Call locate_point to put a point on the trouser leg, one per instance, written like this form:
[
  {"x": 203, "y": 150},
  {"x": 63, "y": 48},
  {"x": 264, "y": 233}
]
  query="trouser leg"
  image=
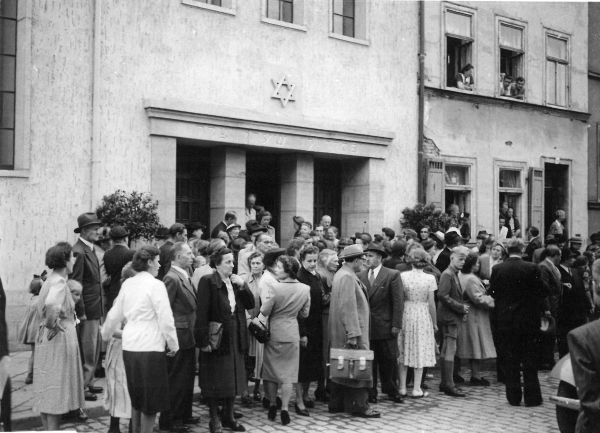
[{"x": 90, "y": 348}]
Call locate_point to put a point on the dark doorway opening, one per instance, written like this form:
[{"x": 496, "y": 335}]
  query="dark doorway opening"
[
  {"x": 328, "y": 190},
  {"x": 192, "y": 196},
  {"x": 556, "y": 192},
  {"x": 263, "y": 178}
]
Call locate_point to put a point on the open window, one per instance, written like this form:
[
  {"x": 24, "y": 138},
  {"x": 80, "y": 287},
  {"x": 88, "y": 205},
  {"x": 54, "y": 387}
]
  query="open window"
[
  {"x": 459, "y": 45},
  {"x": 512, "y": 60}
]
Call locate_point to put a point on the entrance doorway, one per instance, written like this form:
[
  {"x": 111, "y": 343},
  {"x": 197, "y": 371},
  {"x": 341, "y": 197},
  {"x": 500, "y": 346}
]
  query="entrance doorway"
[
  {"x": 328, "y": 190},
  {"x": 192, "y": 193},
  {"x": 556, "y": 192},
  {"x": 263, "y": 178}
]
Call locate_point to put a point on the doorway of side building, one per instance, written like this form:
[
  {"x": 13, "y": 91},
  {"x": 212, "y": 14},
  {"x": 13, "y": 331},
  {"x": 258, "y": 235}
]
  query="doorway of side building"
[
  {"x": 263, "y": 178},
  {"x": 556, "y": 192},
  {"x": 328, "y": 191},
  {"x": 192, "y": 193}
]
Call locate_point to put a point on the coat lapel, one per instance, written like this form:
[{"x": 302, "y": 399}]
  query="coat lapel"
[
  {"x": 187, "y": 288},
  {"x": 377, "y": 283}
]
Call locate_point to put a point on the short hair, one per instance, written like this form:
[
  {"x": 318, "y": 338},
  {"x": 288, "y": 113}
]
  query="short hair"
[
  {"x": 466, "y": 68},
  {"x": 551, "y": 251},
  {"x": 139, "y": 263},
  {"x": 310, "y": 249},
  {"x": 259, "y": 237},
  {"x": 377, "y": 238},
  {"x": 559, "y": 211},
  {"x": 514, "y": 246},
  {"x": 176, "y": 249},
  {"x": 508, "y": 77},
  {"x": 229, "y": 215},
  {"x": 216, "y": 258},
  {"x": 294, "y": 246},
  {"x": 470, "y": 263},
  {"x": 534, "y": 230},
  {"x": 399, "y": 248},
  {"x": 263, "y": 214},
  {"x": 254, "y": 255},
  {"x": 176, "y": 229},
  {"x": 460, "y": 250},
  {"x": 59, "y": 255},
  {"x": 290, "y": 265},
  {"x": 365, "y": 238},
  {"x": 200, "y": 247},
  {"x": 389, "y": 232},
  {"x": 520, "y": 79},
  {"x": 567, "y": 254}
]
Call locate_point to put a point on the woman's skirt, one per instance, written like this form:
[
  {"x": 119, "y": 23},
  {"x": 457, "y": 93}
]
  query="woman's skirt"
[
  {"x": 116, "y": 394},
  {"x": 147, "y": 380},
  {"x": 281, "y": 362}
]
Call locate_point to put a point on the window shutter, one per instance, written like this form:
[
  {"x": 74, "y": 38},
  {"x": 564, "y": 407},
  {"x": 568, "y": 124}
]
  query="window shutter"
[
  {"x": 536, "y": 198},
  {"x": 435, "y": 182}
]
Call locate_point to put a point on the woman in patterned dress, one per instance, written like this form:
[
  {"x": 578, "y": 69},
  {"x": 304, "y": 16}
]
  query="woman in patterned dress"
[
  {"x": 57, "y": 369},
  {"x": 416, "y": 341}
]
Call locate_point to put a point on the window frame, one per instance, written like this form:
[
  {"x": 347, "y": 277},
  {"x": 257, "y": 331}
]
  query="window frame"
[
  {"x": 566, "y": 37},
  {"x": 298, "y": 14},
  {"x": 12, "y": 92},
  {"x": 228, "y": 7},
  {"x": 462, "y": 10},
  {"x": 471, "y": 165},
  {"x": 361, "y": 23},
  {"x": 520, "y": 214},
  {"x": 511, "y": 22}
]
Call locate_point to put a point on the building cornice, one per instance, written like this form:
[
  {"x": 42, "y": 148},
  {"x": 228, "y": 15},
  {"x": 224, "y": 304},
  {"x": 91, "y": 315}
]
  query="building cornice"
[{"x": 506, "y": 103}]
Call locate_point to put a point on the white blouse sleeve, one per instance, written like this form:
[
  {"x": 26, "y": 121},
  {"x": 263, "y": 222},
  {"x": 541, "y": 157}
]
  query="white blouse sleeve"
[{"x": 166, "y": 323}]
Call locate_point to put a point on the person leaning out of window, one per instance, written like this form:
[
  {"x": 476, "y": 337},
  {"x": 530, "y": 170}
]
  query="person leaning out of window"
[{"x": 465, "y": 79}]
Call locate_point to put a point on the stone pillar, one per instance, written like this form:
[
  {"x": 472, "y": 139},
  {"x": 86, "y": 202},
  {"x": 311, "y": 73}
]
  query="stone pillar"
[
  {"x": 297, "y": 192},
  {"x": 163, "y": 175},
  {"x": 362, "y": 195},
  {"x": 227, "y": 183}
]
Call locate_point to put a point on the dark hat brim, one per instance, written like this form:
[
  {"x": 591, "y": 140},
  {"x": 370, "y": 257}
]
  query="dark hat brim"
[
  {"x": 90, "y": 223},
  {"x": 381, "y": 252}
]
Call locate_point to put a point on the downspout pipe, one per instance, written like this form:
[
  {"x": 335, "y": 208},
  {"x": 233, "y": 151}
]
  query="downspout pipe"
[{"x": 421, "y": 173}]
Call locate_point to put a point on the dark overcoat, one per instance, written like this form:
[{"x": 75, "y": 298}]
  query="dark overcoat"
[
  {"x": 311, "y": 356},
  {"x": 86, "y": 270}
]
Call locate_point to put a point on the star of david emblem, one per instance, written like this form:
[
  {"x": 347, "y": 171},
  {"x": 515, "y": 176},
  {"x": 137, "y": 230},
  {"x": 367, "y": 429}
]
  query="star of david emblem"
[{"x": 286, "y": 95}]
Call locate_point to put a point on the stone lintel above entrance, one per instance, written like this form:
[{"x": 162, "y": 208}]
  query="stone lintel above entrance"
[{"x": 248, "y": 128}]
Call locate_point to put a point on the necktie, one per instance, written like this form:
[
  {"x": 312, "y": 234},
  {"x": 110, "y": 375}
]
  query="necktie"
[{"x": 371, "y": 277}]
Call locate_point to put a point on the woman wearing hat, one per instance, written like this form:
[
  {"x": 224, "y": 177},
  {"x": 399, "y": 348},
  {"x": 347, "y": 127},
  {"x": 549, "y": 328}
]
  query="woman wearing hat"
[{"x": 233, "y": 231}]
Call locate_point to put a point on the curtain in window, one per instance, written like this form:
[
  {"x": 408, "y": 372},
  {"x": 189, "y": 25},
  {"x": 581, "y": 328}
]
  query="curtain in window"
[{"x": 458, "y": 24}]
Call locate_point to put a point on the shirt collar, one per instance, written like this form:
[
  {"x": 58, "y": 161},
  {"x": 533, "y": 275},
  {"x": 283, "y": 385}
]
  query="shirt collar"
[
  {"x": 180, "y": 270},
  {"x": 376, "y": 270},
  {"x": 88, "y": 243}
]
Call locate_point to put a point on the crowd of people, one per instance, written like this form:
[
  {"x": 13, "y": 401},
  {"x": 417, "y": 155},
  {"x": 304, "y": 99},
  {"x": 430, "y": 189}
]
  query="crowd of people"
[{"x": 187, "y": 306}]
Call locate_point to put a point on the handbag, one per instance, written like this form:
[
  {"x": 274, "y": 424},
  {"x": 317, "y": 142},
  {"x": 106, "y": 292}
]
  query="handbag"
[
  {"x": 215, "y": 334},
  {"x": 353, "y": 364},
  {"x": 262, "y": 334}
]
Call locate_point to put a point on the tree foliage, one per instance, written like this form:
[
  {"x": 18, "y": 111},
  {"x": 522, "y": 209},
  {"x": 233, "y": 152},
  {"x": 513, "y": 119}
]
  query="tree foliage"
[
  {"x": 425, "y": 215},
  {"x": 136, "y": 211}
]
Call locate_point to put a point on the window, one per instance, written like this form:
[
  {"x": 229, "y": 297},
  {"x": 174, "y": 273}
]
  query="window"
[
  {"x": 510, "y": 190},
  {"x": 8, "y": 57},
  {"x": 211, "y": 2},
  {"x": 344, "y": 17},
  {"x": 220, "y": 6},
  {"x": 459, "y": 47},
  {"x": 557, "y": 69},
  {"x": 282, "y": 10},
  {"x": 457, "y": 188},
  {"x": 512, "y": 60}
]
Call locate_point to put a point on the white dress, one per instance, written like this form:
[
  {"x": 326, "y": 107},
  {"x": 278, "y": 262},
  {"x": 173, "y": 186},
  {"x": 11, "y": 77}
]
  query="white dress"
[{"x": 416, "y": 341}]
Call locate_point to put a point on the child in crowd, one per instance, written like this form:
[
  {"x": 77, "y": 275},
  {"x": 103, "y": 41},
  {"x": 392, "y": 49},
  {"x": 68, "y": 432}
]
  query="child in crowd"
[{"x": 28, "y": 328}]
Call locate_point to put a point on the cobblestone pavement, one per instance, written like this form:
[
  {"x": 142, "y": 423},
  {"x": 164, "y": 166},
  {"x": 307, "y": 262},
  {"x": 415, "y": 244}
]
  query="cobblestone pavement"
[{"x": 483, "y": 410}]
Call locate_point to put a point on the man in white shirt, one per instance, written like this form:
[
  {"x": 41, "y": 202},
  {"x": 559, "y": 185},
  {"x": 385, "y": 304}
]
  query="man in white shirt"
[{"x": 502, "y": 230}]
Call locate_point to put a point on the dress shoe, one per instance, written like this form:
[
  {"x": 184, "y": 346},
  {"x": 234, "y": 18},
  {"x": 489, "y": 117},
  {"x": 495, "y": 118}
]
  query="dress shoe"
[
  {"x": 90, "y": 397},
  {"x": 272, "y": 413},
  {"x": 77, "y": 415},
  {"x": 372, "y": 399},
  {"x": 285, "y": 417},
  {"x": 397, "y": 398},
  {"x": 369, "y": 413},
  {"x": 453, "y": 392},
  {"x": 96, "y": 389},
  {"x": 458, "y": 378},
  {"x": 301, "y": 412},
  {"x": 309, "y": 403},
  {"x": 193, "y": 420},
  {"x": 478, "y": 382},
  {"x": 233, "y": 425}
]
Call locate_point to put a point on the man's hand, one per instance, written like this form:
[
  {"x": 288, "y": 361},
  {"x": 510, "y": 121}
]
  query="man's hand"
[
  {"x": 171, "y": 353},
  {"x": 395, "y": 331},
  {"x": 237, "y": 280},
  {"x": 352, "y": 343}
]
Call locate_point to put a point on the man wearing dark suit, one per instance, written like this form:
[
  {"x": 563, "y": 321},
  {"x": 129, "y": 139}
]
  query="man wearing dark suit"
[
  {"x": 90, "y": 310},
  {"x": 451, "y": 239},
  {"x": 230, "y": 218},
  {"x": 177, "y": 233},
  {"x": 5, "y": 404},
  {"x": 181, "y": 367},
  {"x": 450, "y": 313},
  {"x": 534, "y": 243},
  {"x": 519, "y": 294},
  {"x": 114, "y": 261},
  {"x": 550, "y": 276},
  {"x": 384, "y": 290}
]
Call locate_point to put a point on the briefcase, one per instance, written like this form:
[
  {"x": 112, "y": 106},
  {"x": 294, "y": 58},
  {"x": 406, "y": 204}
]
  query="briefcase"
[{"x": 353, "y": 364}]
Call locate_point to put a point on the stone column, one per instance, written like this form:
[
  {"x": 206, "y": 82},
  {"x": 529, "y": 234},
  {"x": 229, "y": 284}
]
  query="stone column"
[
  {"x": 297, "y": 192},
  {"x": 163, "y": 175},
  {"x": 362, "y": 195},
  {"x": 227, "y": 183}
]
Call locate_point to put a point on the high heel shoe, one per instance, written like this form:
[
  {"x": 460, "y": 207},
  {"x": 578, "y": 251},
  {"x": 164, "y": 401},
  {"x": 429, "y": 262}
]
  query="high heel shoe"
[
  {"x": 272, "y": 413},
  {"x": 285, "y": 417},
  {"x": 301, "y": 412}
]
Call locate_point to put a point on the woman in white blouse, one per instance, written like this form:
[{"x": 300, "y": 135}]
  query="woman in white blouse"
[{"x": 144, "y": 304}]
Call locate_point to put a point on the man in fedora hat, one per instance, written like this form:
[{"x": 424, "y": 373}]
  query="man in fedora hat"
[
  {"x": 349, "y": 318},
  {"x": 90, "y": 310},
  {"x": 114, "y": 261},
  {"x": 384, "y": 292}
]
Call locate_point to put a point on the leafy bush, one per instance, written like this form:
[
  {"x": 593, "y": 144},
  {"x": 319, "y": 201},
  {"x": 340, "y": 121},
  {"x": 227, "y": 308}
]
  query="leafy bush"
[
  {"x": 136, "y": 211},
  {"x": 425, "y": 215}
]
